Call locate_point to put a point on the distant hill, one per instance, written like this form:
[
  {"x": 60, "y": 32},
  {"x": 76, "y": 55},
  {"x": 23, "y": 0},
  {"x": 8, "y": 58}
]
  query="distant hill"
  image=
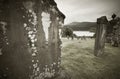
[{"x": 82, "y": 26}]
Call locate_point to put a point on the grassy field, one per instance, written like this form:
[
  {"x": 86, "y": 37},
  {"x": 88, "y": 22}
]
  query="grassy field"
[{"x": 80, "y": 63}]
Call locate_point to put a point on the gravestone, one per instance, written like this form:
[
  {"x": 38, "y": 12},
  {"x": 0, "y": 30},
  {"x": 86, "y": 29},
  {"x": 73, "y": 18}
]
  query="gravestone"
[
  {"x": 100, "y": 36},
  {"x": 29, "y": 39}
]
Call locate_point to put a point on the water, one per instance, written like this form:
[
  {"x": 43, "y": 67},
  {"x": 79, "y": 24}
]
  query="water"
[{"x": 83, "y": 33}]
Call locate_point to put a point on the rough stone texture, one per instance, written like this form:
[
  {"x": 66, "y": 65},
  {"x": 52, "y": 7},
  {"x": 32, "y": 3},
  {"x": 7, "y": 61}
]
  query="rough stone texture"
[
  {"x": 115, "y": 34},
  {"x": 25, "y": 52},
  {"x": 100, "y": 36}
]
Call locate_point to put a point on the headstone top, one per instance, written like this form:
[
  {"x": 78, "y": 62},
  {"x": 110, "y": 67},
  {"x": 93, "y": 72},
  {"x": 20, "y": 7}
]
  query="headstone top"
[{"x": 102, "y": 20}]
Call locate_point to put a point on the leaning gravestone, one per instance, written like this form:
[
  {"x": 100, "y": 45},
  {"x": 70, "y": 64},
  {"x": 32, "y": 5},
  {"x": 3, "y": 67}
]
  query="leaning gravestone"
[
  {"x": 29, "y": 39},
  {"x": 100, "y": 35}
]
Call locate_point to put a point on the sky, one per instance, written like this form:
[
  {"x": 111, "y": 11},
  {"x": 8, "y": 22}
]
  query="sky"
[{"x": 87, "y": 10}]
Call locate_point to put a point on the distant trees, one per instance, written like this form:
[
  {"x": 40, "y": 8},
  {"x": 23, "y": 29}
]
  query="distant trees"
[{"x": 67, "y": 32}]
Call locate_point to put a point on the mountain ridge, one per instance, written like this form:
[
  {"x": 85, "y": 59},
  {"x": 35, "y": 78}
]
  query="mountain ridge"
[{"x": 82, "y": 26}]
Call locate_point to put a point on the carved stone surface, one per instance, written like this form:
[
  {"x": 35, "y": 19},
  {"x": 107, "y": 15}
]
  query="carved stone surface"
[
  {"x": 29, "y": 46},
  {"x": 100, "y": 36}
]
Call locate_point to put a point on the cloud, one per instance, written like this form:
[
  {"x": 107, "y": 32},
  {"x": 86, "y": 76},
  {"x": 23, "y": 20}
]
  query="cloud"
[{"x": 87, "y": 10}]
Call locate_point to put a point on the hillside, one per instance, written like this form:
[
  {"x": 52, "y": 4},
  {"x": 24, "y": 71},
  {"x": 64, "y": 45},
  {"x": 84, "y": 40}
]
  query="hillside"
[{"x": 82, "y": 26}]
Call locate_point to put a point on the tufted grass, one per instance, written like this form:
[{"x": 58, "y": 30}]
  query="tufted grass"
[{"x": 80, "y": 63}]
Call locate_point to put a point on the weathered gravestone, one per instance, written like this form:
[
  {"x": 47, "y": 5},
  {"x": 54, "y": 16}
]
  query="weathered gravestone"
[
  {"x": 100, "y": 36},
  {"x": 29, "y": 39}
]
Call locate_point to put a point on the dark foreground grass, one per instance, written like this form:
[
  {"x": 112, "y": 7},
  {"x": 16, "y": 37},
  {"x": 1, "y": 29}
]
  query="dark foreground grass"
[{"x": 80, "y": 63}]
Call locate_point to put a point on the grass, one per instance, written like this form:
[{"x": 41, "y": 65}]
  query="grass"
[{"x": 80, "y": 63}]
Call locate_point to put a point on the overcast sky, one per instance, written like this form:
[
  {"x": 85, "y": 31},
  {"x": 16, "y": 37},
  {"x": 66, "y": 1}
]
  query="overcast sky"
[{"x": 87, "y": 10}]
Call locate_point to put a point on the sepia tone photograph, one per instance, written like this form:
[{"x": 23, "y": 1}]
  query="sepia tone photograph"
[{"x": 59, "y": 39}]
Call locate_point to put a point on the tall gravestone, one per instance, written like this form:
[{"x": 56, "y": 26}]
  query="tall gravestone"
[
  {"x": 29, "y": 39},
  {"x": 100, "y": 36}
]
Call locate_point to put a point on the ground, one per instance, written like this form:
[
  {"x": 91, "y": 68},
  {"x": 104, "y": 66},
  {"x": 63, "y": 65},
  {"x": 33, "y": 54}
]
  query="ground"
[{"x": 80, "y": 63}]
